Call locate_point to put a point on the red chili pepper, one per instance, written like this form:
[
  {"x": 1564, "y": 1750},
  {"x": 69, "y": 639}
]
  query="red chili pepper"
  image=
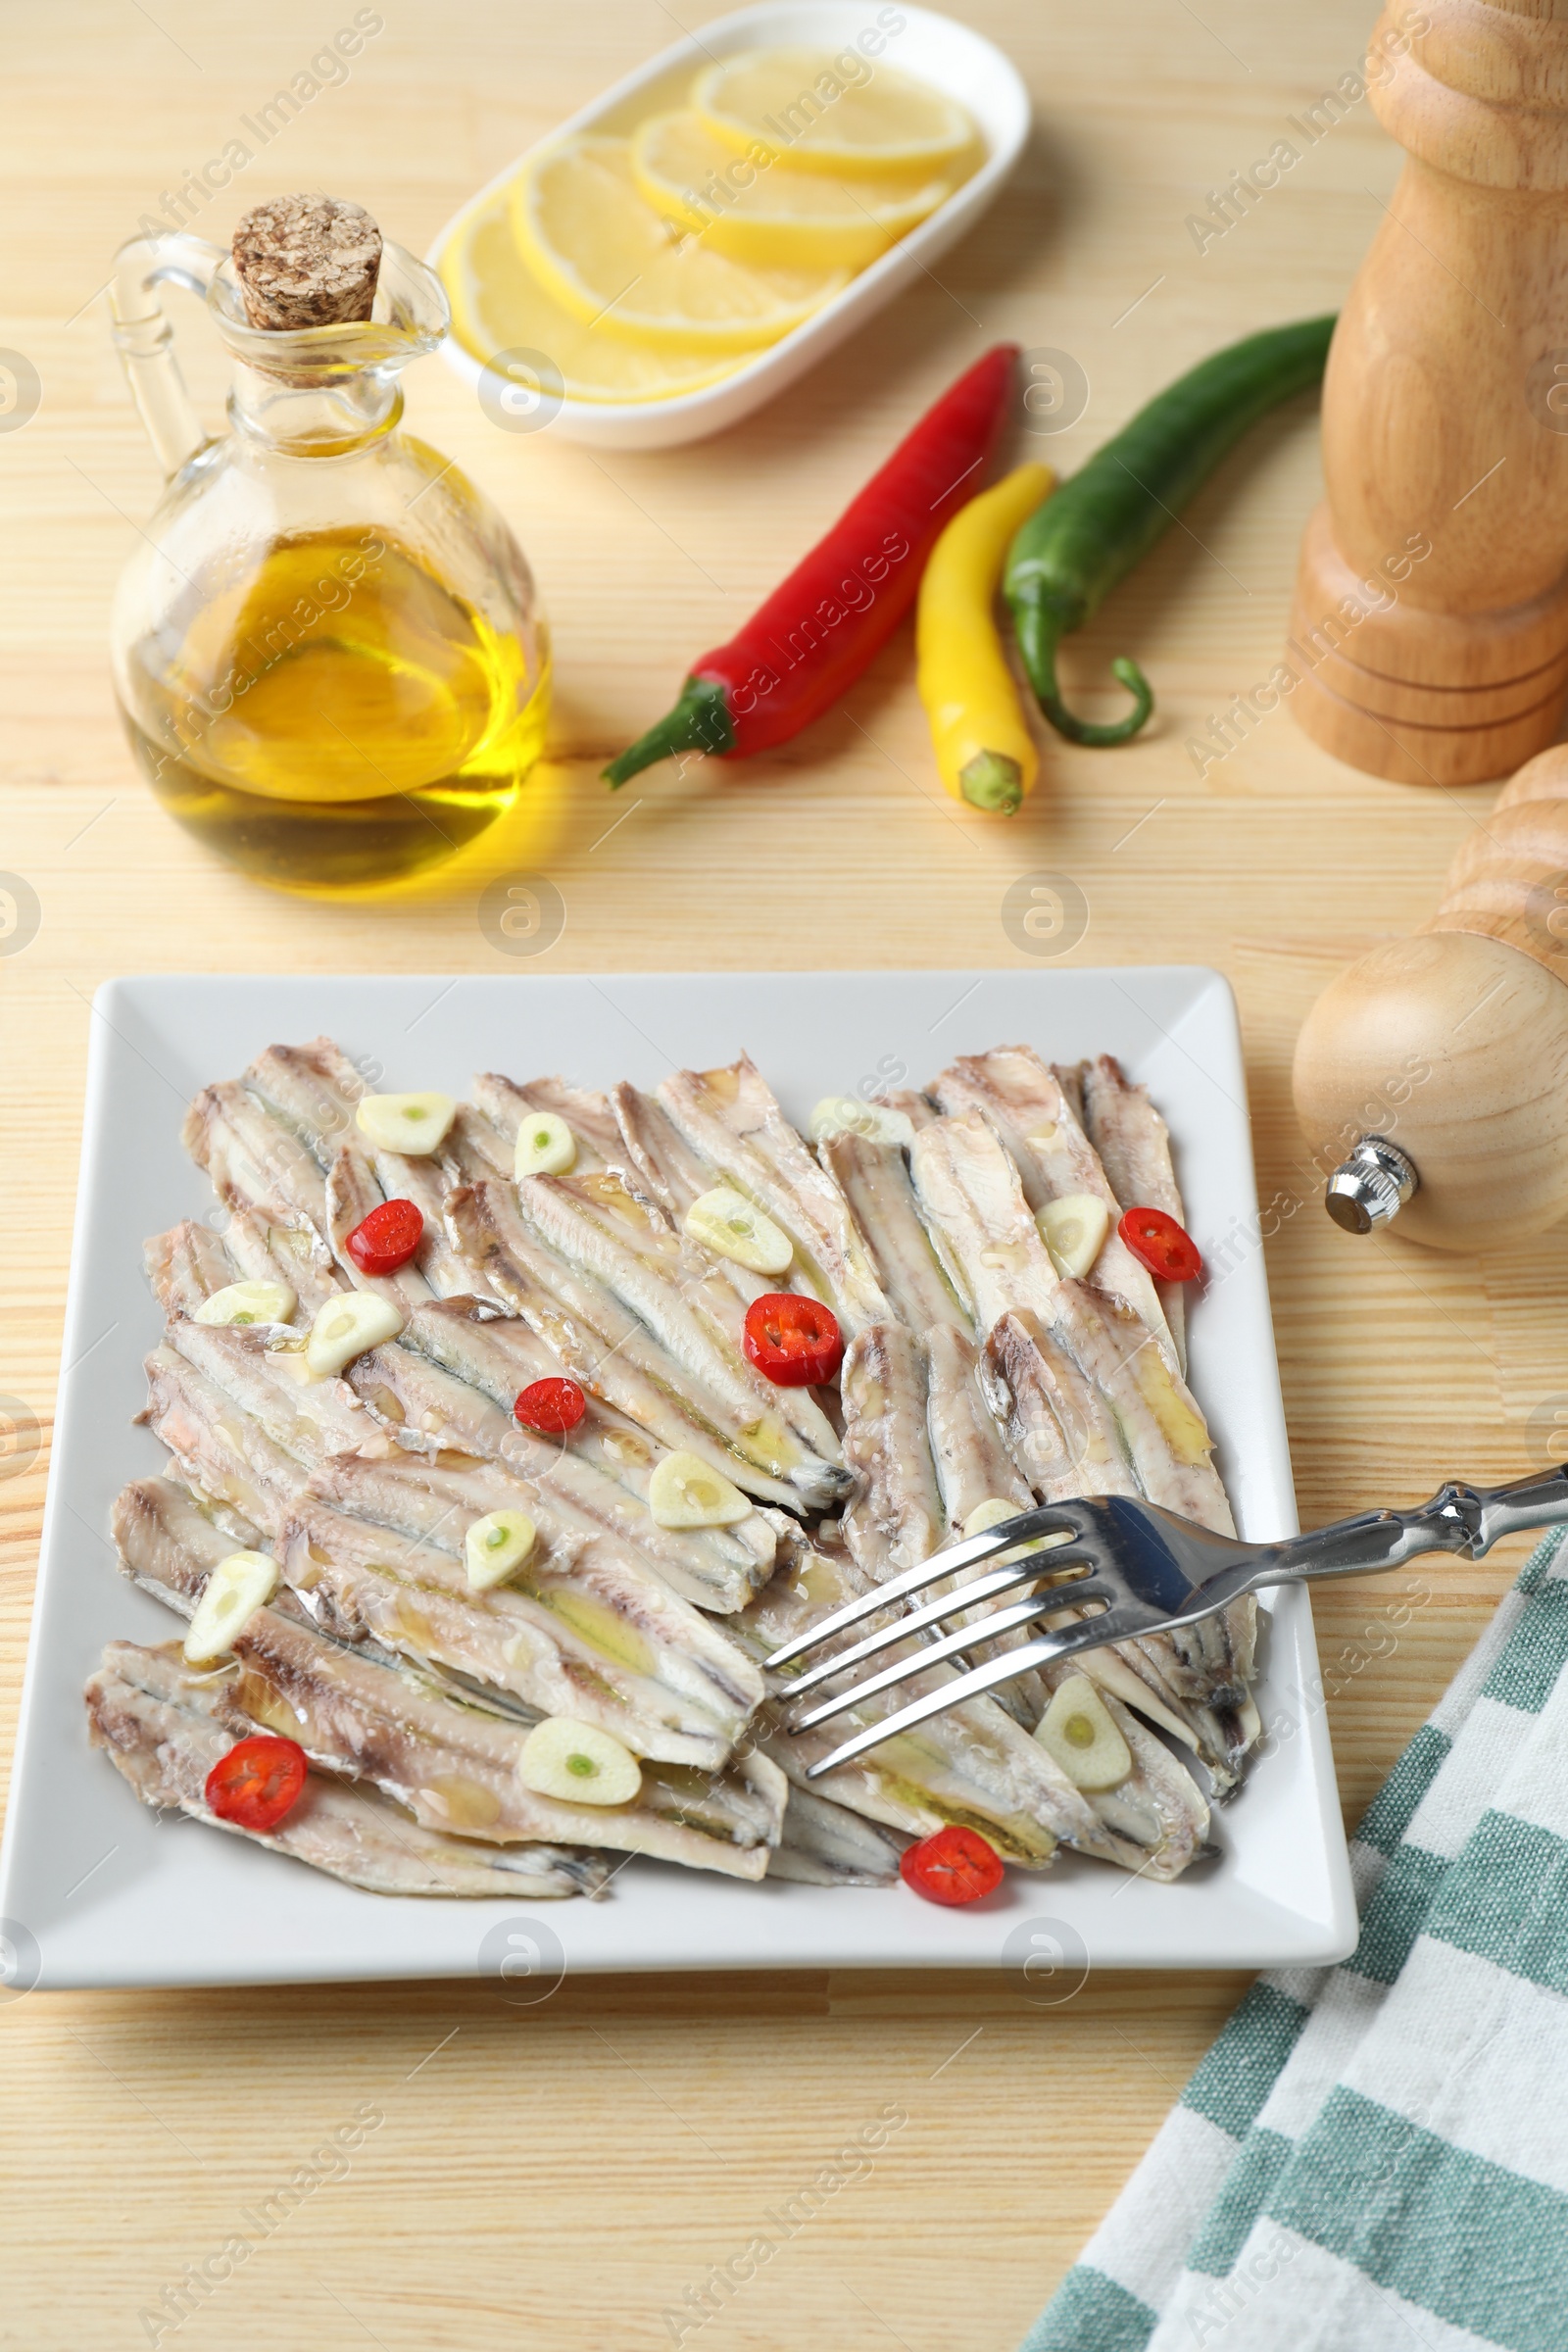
[
  {"x": 551, "y": 1406},
  {"x": 830, "y": 620},
  {"x": 386, "y": 1239},
  {"x": 257, "y": 1782},
  {"x": 954, "y": 1865},
  {"x": 1158, "y": 1243},
  {"x": 793, "y": 1342}
]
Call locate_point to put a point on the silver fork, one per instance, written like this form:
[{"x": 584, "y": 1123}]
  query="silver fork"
[{"x": 1142, "y": 1569}]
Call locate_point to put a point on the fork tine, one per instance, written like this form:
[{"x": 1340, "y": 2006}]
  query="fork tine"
[
  {"x": 932, "y": 1654},
  {"x": 1040, "y": 1651},
  {"x": 947, "y": 1605},
  {"x": 1045, "y": 1519}
]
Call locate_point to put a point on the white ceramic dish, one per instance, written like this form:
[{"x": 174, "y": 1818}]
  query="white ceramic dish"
[
  {"x": 931, "y": 47},
  {"x": 99, "y": 1891}
]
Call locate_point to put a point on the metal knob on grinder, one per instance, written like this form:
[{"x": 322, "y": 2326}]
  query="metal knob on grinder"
[
  {"x": 1447, "y": 1052},
  {"x": 1369, "y": 1187}
]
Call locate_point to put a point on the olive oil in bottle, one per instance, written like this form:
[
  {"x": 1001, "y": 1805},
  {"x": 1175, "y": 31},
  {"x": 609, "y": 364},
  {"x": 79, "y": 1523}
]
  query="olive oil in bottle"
[
  {"x": 339, "y": 719},
  {"x": 326, "y": 643}
]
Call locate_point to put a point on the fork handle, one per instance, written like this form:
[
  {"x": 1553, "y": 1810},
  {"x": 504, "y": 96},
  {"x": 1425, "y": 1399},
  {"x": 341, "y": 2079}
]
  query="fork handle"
[{"x": 1458, "y": 1518}]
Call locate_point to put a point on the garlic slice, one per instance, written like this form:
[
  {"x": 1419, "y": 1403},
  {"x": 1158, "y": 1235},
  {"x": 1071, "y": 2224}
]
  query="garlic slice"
[
  {"x": 345, "y": 1327},
  {"x": 248, "y": 1302},
  {"x": 847, "y": 1114},
  {"x": 1073, "y": 1230},
  {"x": 1078, "y": 1731},
  {"x": 992, "y": 1512},
  {"x": 684, "y": 1491},
  {"x": 546, "y": 1146},
  {"x": 496, "y": 1545},
  {"x": 579, "y": 1762},
  {"x": 413, "y": 1124},
  {"x": 233, "y": 1593},
  {"x": 731, "y": 1226}
]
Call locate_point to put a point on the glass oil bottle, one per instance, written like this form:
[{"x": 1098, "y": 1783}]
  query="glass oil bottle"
[{"x": 327, "y": 647}]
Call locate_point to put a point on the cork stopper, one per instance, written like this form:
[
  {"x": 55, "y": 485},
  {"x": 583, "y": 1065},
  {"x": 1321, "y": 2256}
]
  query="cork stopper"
[{"x": 307, "y": 261}]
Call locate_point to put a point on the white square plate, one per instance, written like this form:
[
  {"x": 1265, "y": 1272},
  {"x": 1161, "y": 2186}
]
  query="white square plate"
[{"x": 97, "y": 1890}]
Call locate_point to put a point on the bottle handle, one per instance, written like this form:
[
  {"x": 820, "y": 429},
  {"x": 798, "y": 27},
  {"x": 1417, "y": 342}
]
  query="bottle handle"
[{"x": 144, "y": 338}]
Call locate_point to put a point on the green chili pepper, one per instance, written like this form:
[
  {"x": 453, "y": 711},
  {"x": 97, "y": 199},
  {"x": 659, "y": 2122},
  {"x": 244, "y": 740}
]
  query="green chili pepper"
[{"x": 1074, "y": 549}]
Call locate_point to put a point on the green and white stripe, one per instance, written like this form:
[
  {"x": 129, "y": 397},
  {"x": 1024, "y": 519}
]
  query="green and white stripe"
[{"x": 1375, "y": 2156}]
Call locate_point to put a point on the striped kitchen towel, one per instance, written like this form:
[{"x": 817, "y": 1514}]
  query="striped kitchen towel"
[{"x": 1374, "y": 2157}]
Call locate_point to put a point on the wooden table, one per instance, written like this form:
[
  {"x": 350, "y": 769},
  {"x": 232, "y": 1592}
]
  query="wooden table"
[{"x": 557, "y": 2181}]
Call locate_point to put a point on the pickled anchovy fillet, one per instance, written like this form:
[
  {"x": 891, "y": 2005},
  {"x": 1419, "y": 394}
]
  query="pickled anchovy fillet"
[
  {"x": 589, "y": 1115},
  {"x": 253, "y": 1159},
  {"x": 314, "y": 1420},
  {"x": 1159, "y": 1806},
  {"x": 1023, "y": 1102},
  {"x": 972, "y": 1196},
  {"x": 917, "y": 1109},
  {"x": 293, "y": 1253},
  {"x": 971, "y": 1764},
  {"x": 313, "y": 1088},
  {"x": 612, "y": 1354},
  {"x": 972, "y": 1466},
  {"x": 1067, "y": 1439},
  {"x": 722, "y": 1569},
  {"x": 153, "y": 1716},
  {"x": 1134, "y": 1146},
  {"x": 185, "y": 1265},
  {"x": 719, "y": 1568},
  {"x": 1061, "y": 1429},
  {"x": 896, "y": 1519},
  {"x": 1069, "y": 1077},
  {"x": 1162, "y": 1426},
  {"x": 974, "y": 1207},
  {"x": 474, "y": 1148},
  {"x": 825, "y": 1844},
  {"x": 501, "y": 1356},
  {"x": 659, "y": 1156},
  {"x": 454, "y": 1766},
  {"x": 731, "y": 1121},
  {"x": 607, "y": 1232},
  {"x": 315, "y": 1091},
  {"x": 905, "y": 1405},
  {"x": 658, "y": 1159},
  {"x": 356, "y": 1583},
  {"x": 875, "y": 1179},
  {"x": 217, "y": 1447},
  {"x": 351, "y": 1190},
  {"x": 603, "y": 1612},
  {"x": 1061, "y": 1433}
]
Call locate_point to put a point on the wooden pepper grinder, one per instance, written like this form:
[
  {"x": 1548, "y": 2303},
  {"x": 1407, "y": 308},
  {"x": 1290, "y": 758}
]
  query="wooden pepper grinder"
[
  {"x": 1430, "y": 628},
  {"x": 1439, "y": 1064}
]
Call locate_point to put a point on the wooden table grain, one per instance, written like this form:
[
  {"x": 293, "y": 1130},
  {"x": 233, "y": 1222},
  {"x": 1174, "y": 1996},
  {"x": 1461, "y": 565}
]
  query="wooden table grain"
[{"x": 566, "y": 2179}]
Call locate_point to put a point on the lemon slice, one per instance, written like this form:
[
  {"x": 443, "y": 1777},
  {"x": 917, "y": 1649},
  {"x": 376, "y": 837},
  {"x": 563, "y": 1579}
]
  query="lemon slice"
[
  {"x": 498, "y": 305},
  {"x": 615, "y": 264},
  {"x": 793, "y": 102},
  {"x": 762, "y": 211}
]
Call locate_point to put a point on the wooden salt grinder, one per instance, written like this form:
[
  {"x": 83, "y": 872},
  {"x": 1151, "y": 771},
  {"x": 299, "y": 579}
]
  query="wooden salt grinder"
[
  {"x": 1446, "y": 416},
  {"x": 1440, "y": 1063}
]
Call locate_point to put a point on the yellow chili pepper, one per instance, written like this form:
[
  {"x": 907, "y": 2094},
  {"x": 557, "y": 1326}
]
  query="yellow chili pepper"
[{"x": 985, "y": 751}]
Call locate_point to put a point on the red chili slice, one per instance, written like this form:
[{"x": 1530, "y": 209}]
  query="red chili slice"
[
  {"x": 551, "y": 1406},
  {"x": 1158, "y": 1243},
  {"x": 954, "y": 1865},
  {"x": 793, "y": 1342},
  {"x": 257, "y": 1782},
  {"x": 387, "y": 1238}
]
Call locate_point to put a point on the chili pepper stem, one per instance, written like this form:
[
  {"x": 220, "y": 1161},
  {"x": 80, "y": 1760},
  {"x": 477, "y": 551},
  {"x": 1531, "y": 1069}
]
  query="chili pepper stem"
[
  {"x": 1040, "y": 630},
  {"x": 992, "y": 781},
  {"x": 699, "y": 723}
]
